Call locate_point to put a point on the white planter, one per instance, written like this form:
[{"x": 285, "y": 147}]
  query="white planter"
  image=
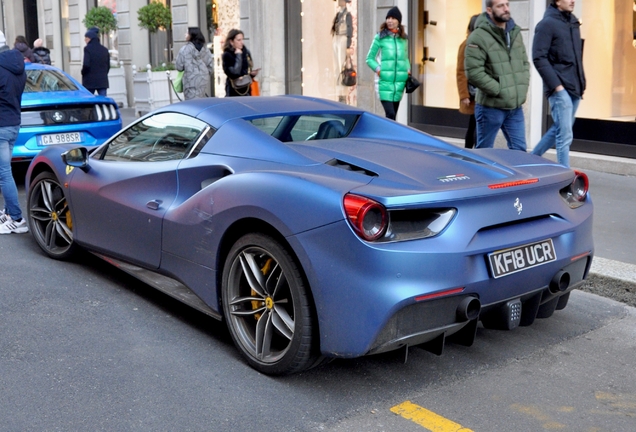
[
  {"x": 117, "y": 86},
  {"x": 152, "y": 90}
]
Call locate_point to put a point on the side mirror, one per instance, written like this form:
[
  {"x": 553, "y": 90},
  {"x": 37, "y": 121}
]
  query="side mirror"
[{"x": 77, "y": 157}]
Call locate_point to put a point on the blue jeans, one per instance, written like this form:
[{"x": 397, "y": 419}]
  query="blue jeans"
[
  {"x": 100, "y": 91},
  {"x": 563, "y": 108},
  {"x": 511, "y": 122},
  {"x": 8, "y": 135}
]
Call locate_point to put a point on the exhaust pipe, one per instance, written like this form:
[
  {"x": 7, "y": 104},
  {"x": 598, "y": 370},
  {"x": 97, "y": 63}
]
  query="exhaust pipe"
[
  {"x": 560, "y": 282},
  {"x": 468, "y": 309}
]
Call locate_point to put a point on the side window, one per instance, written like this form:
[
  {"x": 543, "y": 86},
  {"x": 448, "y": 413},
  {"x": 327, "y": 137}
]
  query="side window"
[
  {"x": 161, "y": 137},
  {"x": 267, "y": 124},
  {"x": 321, "y": 127},
  {"x": 306, "y": 127}
]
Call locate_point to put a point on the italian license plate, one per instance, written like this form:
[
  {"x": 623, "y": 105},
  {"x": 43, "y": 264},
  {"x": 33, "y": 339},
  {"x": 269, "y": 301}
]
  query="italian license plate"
[
  {"x": 61, "y": 138},
  {"x": 513, "y": 260}
]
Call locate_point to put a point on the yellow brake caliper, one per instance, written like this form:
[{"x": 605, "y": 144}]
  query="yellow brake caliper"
[{"x": 257, "y": 304}]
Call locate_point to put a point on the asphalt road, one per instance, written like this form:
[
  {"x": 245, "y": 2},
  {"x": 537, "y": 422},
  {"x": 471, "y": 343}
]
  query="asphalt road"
[{"x": 86, "y": 347}]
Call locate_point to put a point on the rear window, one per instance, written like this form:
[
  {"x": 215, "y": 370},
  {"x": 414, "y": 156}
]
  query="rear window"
[
  {"x": 306, "y": 127},
  {"x": 46, "y": 80}
]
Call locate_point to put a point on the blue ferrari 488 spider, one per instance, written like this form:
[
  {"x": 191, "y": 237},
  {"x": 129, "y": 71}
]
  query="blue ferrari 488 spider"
[
  {"x": 319, "y": 230},
  {"x": 56, "y": 109}
]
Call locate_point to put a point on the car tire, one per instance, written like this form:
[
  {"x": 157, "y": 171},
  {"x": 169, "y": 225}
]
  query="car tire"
[
  {"x": 49, "y": 217},
  {"x": 267, "y": 308}
]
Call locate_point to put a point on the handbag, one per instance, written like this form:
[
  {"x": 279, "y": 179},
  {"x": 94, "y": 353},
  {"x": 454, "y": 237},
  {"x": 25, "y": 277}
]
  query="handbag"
[
  {"x": 412, "y": 84},
  {"x": 256, "y": 91},
  {"x": 348, "y": 75},
  {"x": 177, "y": 82},
  {"x": 242, "y": 84}
]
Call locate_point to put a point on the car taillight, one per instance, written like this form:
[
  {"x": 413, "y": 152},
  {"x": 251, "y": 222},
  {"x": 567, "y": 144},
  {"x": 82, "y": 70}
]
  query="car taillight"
[
  {"x": 105, "y": 112},
  {"x": 367, "y": 217},
  {"x": 576, "y": 192}
]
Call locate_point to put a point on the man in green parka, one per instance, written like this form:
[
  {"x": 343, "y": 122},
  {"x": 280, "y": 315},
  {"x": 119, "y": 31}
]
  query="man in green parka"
[{"x": 497, "y": 64}]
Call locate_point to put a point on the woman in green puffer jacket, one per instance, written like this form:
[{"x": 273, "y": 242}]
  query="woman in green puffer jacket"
[{"x": 392, "y": 65}]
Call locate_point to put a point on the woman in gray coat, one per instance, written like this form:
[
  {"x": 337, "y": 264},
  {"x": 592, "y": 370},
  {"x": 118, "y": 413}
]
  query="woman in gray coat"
[{"x": 195, "y": 60}]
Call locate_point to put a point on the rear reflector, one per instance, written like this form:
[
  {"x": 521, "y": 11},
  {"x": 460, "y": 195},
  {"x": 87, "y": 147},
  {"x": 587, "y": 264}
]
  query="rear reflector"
[{"x": 439, "y": 294}]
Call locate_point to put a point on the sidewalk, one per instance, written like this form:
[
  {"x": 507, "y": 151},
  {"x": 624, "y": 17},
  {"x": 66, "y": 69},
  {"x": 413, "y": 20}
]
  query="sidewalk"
[{"x": 583, "y": 161}]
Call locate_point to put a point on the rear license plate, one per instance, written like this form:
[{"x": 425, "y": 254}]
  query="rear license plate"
[
  {"x": 61, "y": 138},
  {"x": 513, "y": 260}
]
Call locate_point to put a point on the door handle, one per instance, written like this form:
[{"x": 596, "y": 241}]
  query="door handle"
[{"x": 154, "y": 204}]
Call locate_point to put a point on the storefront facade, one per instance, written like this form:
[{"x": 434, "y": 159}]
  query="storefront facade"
[
  {"x": 293, "y": 44},
  {"x": 606, "y": 119}
]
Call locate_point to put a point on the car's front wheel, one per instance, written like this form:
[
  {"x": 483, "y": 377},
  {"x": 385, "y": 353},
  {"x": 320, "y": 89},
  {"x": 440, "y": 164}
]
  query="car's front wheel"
[
  {"x": 50, "y": 216},
  {"x": 267, "y": 307}
]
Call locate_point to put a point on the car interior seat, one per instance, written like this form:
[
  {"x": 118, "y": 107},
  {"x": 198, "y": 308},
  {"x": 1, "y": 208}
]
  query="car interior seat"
[{"x": 330, "y": 129}]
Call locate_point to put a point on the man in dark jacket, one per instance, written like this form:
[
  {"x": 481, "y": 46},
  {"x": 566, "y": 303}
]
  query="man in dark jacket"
[
  {"x": 496, "y": 63},
  {"x": 96, "y": 63},
  {"x": 557, "y": 53},
  {"x": 12, "y": 81}
]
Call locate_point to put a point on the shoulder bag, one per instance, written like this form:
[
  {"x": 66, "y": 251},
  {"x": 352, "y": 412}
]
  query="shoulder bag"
[
  {"x": 348, "y": 76},
  {"x": 412, "y": 84},
  {"x": 177, "y": 82},
  {"x": 242, "y": 84}
]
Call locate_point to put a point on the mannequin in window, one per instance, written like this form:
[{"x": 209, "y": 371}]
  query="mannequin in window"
[{"x": 341, "y": 32}]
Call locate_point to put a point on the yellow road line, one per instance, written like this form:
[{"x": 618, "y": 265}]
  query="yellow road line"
[{"x": 428, "y": 419}]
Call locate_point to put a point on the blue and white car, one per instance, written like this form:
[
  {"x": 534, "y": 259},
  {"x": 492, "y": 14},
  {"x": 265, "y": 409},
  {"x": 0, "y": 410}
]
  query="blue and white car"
[{"x": 56, "y": 109}]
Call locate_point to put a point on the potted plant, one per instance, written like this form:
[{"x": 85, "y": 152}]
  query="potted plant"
[
  {"x": 102, "y": 18},
  {"x": 154, "y": 17},
  {"x": 152, "y": 87}
]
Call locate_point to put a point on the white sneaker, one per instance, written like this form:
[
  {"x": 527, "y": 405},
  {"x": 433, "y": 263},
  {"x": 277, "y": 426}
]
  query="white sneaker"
[
  {"x": 10, "y": 226},
  {"x": 3, "y": 216}
]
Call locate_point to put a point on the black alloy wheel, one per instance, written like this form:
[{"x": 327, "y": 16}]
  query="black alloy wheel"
[
  {"x": 267, "y": 308},
  {"x": 49, "y": 217}
]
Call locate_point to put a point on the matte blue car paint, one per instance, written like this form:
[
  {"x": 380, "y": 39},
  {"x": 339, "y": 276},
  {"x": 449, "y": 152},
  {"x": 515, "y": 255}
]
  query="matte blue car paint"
[{"x": 357, "y": 286}]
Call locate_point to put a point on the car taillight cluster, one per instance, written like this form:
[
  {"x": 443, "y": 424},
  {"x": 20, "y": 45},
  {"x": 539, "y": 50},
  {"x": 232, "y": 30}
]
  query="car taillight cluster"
[
  {"x": 106, "y": 112},
  {"x": 575, "y": 193},
  {"x": 367, "y": 217},
  {"x": 372, "y": 222}
]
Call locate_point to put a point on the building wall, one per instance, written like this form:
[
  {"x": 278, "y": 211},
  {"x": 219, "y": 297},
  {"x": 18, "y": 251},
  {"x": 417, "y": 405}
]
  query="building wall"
[{"x": 13, "y": 17}]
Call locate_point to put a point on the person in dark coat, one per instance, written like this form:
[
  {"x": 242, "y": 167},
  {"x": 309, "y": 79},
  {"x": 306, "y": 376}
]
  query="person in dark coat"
[
  {"x": 41, "y": 54},
  {"x": 22, "y": 45},
  {"x": 557, "y": 53},
  {"x": 96, "y": 63},
  {"x": 12, "y": 82},
  {"x": 237, "y": 62}
]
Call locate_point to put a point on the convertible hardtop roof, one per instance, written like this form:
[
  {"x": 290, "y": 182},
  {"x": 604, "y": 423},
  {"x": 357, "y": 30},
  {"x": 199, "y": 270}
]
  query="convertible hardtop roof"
[{"x": 216, "y": 111}]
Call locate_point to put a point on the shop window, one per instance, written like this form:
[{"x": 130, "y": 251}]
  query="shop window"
[
  {"x": 329, "y": 35},
  {"x": 439, "y": 29},
  {"x": 161, "y": 43},
  {"x": 609, "y": 59}
]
